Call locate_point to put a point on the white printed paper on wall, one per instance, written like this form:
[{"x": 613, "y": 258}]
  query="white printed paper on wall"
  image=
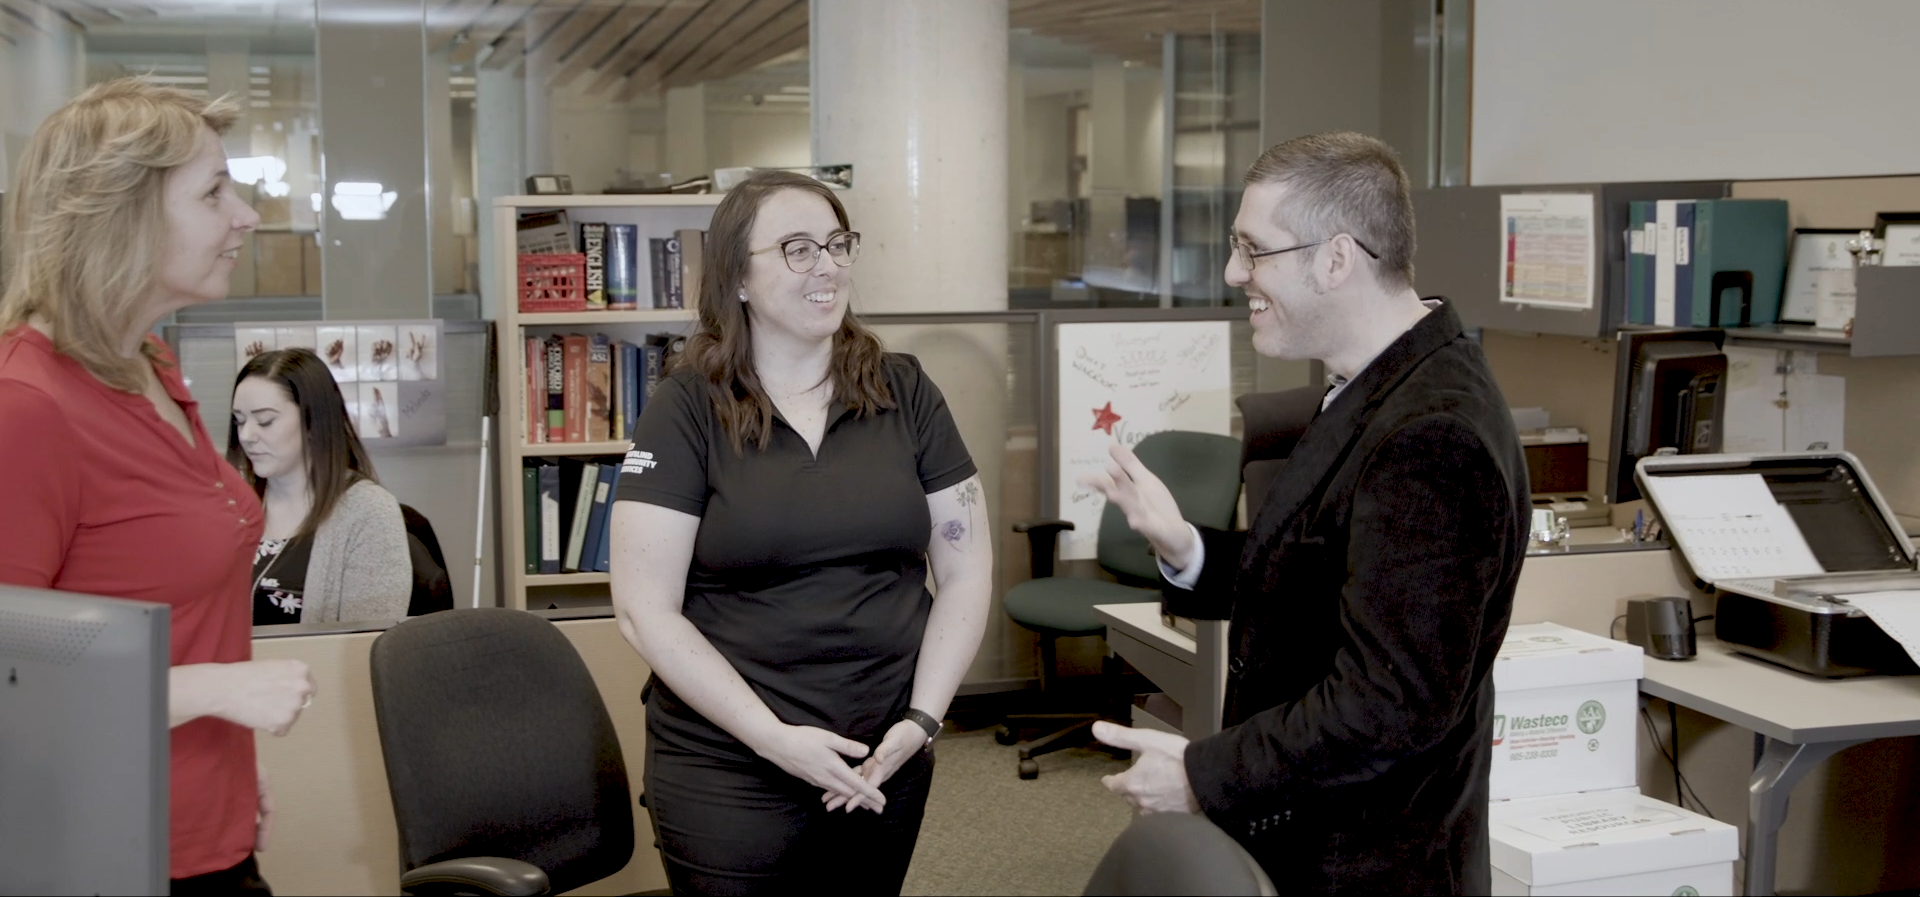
[
  {"x": 389, "y": 372},
  {"x": 1123, "y": 382},
  {"x": 1546, "y": 249}
]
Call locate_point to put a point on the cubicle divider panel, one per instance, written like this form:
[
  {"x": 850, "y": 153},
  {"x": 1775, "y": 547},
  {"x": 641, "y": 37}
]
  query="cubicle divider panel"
[{"x": 333, "y": 829}]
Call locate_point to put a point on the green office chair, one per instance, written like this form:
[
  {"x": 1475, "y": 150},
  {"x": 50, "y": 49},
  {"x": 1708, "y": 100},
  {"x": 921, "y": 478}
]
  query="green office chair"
[{"x": 1202, "y": 470}]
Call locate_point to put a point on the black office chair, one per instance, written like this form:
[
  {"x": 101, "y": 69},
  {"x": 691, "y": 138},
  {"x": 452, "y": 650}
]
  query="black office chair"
[
  {"x": 432, "y": 589},
  {"x": 1273, "y": 423},
  {"x": 1177, "y": 853},
  {"x": 1202, "y": 470},
  {"x": 504, "y": 768}
]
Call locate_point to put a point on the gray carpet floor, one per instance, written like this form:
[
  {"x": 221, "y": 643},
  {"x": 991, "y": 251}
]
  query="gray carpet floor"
[{"x": 989, "y": 832}]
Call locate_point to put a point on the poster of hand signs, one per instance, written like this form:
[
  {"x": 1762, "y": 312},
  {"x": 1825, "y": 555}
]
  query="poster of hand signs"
[
  {"x": 1123, "y": 382},
  {"x": 389, "y": 372}
]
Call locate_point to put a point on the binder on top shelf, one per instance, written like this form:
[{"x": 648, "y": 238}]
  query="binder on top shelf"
[
  {"x": 623, "y": 267},
  {"x": 1683, "y": 261},
  {"x": 1639, "y": 261},
  {"x": 593, "y": 243},
  {"x": 1740, "y": 259},
  {"x": 1665, "y": 213}
]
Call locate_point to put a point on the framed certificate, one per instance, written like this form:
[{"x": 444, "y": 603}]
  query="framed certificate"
[
  {"x": 1900, "y": 233},
  {"x": 1818, "y": 266}
]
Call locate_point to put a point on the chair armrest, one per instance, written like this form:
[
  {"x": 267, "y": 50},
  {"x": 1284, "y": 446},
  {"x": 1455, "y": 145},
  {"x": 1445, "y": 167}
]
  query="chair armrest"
[
  {"x": 492, "y": 875},
  {"x": 1042, "y": 536}
]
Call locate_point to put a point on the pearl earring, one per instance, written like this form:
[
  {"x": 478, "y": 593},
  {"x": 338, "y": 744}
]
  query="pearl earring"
[{"x": 743, "y": 294}]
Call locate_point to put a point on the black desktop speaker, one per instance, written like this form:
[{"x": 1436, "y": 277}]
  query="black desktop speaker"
[{"x": 1662, "y": 627}]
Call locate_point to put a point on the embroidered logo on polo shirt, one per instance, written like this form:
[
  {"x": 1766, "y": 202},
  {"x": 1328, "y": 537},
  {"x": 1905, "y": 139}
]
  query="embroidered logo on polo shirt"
[{"x": 638, "y": 462}]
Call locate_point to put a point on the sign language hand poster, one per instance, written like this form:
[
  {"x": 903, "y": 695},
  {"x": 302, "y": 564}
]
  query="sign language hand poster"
[{"x": 1122, "y": 382}]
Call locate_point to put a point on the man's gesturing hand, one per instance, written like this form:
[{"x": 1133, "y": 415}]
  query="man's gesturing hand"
[
  {"x": 1157, "y": 782},
  {"x": 1148, "y": 506}
]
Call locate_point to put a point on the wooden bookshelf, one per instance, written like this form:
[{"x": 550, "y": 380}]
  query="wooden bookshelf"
[{"x": 657, "y": 215}]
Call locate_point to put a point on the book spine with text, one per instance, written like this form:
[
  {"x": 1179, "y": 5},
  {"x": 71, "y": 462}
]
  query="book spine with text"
[
  {"x": 599, "y": 388},
  {"x": 556, "y": 388},
  {"x": 623, "y": 272},
  {"x": 593, "y": 243},
  {"x": 574, "y": 388}
]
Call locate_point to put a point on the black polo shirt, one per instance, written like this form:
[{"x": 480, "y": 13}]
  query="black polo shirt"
[{"x": 809, "y": 574}]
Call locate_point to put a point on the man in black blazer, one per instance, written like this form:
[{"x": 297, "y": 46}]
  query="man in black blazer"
[{"x": 1373, "y": 589}]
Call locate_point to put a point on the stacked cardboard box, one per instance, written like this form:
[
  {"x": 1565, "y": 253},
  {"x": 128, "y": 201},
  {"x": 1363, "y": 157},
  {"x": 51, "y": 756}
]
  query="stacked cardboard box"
[{"x": 1567, "y": 816}]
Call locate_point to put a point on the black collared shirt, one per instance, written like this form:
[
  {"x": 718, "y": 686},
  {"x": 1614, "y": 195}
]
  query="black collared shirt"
[{"x": 809, "y": 572}]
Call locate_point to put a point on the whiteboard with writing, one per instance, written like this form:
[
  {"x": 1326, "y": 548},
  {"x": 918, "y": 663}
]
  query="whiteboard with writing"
[{"x": 1123, "y": 382}]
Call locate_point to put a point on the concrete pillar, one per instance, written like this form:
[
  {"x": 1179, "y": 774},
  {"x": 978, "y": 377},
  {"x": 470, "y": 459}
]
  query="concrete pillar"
[
  {"x": 1108, "y": 162},
  {"x": 374, "y": 236},
  {"x": 913, "y": 93},
  {"x": 687, "y": 132},
  {"x": 499, "y": 131},
  {"x": 1018, "y": 203}
]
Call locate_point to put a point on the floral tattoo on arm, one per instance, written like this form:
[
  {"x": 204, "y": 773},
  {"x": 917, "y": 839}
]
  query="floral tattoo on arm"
[{"x": 953, "y": 530}]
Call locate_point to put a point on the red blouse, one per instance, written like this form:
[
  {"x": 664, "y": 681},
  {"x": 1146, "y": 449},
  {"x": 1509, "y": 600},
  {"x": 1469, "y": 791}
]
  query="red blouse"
[{"x": 104, "y": 497}]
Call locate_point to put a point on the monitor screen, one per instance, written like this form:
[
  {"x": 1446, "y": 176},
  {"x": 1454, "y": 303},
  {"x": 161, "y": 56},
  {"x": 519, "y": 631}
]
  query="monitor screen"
[
  {"x": 1669, "y": 392},
  {"x": 83, "y": 744}
]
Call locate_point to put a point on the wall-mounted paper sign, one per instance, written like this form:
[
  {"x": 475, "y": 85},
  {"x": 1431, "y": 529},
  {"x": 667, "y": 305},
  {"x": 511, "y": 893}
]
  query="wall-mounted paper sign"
[
  {"x": 1546, "y": 250},
  {"x": 389, "y": 372},
  {"x": 1122, "y": 382}
]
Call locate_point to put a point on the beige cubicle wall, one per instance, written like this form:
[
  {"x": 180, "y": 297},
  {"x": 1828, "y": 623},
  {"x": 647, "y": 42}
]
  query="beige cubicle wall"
[
  {"x": 333, "y": 830},
  {"x": 1852, "y": 822}
]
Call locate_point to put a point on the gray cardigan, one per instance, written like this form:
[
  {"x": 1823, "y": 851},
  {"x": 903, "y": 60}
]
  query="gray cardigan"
[{"x": 360, "y": 568}]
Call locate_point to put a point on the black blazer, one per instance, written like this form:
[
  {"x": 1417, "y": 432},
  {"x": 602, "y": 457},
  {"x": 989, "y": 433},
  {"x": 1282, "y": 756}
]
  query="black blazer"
[{"x": 1369, "y": 599}]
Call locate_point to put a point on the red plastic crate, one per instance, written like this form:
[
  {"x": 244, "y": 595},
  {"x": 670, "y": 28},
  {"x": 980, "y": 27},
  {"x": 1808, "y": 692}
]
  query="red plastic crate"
[{"x": 553, "y": 282}]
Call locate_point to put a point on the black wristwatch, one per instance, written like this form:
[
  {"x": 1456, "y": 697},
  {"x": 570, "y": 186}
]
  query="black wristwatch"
[{"x": 925, "y": 721}]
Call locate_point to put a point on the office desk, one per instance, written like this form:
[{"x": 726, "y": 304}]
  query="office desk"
[
  {"x": 1169, "y": 658},
  {"x": 1800, "y": 720}
]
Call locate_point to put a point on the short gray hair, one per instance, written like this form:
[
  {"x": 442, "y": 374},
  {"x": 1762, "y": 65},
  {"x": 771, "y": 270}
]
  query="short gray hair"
[{"x": 1344, "y": 182}]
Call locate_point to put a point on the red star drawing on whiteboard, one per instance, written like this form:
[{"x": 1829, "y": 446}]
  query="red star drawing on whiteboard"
[{"x": 1104, "y": 418}]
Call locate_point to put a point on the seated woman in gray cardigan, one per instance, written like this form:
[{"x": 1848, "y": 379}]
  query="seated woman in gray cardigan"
[{"x": 335, "y": 546}]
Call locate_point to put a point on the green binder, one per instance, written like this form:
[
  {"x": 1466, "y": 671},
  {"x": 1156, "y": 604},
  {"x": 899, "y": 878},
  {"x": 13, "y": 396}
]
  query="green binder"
[
  {"x": 1739, "y": 261},
  {"x": 1639, "y": 263},
  {"x": 530, "y": 514}
]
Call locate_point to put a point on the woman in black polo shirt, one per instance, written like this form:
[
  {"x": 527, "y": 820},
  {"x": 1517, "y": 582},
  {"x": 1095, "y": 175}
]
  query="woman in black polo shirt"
[{"x": 789, "y": 488}]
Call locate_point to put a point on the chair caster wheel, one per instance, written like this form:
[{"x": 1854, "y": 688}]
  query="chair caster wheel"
[
  {"x": 1006, "y": 736},
  {"x": 1029, "y": 769}
]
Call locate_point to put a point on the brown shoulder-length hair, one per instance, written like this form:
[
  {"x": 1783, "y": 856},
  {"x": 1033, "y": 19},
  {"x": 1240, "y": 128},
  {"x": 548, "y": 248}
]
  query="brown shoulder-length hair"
[
  {"x": 335, "y": 458},
  {"x": 721, "y": 351},
  {"x": 87, "y": 220}
]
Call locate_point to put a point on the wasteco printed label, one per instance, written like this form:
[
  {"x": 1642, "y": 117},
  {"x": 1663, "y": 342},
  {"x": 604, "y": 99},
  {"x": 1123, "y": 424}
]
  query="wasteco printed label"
[{"x": 1546, "y": 735}]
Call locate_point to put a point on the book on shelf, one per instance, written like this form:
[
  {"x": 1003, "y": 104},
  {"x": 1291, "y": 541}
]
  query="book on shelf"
[
  {"x": 589, "y": 477},
  {"x": 671, "y": 255},
  {"x": 543, "y": 233},
  {"x": 599, "y": 388},
  {"x": 593, "y": 553},
  {"x": 623, "y": 272},
  {"x": 530, "y": 514},
  {"x": 693, "y": 254},
  {"x": 593, "y": 244},
  {"x": 574, "y": 402},
  {"x": 633, "y": 398},
  {"x": 549, "y": 475},
  {"x": 556, "y": 388},
  {"x": 1683, "y": 262},
  {"x": 535, "y": 385},
  {"x": 657, "y": 269}
]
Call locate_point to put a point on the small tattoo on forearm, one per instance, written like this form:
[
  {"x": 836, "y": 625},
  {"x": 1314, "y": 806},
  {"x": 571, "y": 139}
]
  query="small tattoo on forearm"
[
  {"x": 969, "y": 494},
  {"x": 953, "y": 531}
]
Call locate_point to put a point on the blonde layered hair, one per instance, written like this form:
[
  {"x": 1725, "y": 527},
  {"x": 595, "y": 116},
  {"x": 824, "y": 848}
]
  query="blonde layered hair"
[{"x": 87, "y": 225}]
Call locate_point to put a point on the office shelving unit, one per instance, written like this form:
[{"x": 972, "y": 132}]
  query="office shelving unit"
[{"x": 657, "y": 215}]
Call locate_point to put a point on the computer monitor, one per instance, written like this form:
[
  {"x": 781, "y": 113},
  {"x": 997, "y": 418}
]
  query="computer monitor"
[
  {"x": 83, "y": 744},
  {"x": 1669, "y": 392}
]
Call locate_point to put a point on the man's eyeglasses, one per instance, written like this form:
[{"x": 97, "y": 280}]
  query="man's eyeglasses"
[
  {"x": 1246, "y": 255},
  {"x": 803, "y": 253}
]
